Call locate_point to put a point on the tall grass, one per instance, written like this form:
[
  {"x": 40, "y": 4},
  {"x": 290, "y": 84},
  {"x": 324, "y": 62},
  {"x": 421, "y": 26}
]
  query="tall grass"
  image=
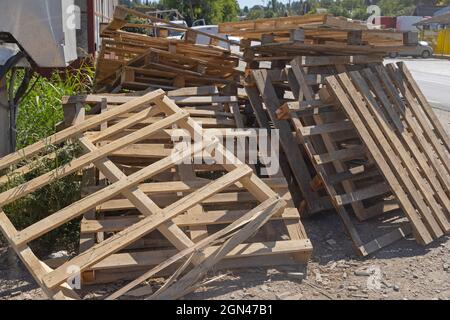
[{"x": 39, "y": 113}]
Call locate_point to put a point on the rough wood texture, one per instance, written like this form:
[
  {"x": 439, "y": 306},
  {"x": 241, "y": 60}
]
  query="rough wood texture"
[
  {"x": 221, "y": 209},
  {"x": 404, "y": 139},
  {"x": 235, "y": 175}
]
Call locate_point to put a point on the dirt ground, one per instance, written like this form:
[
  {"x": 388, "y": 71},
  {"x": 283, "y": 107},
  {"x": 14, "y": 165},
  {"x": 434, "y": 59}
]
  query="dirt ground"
[{"x": 403, "y": 270}]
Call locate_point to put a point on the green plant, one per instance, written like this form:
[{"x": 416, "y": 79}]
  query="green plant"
[
  {"x": 47, "y": 201},
  {"x": 39, "y": 113}
]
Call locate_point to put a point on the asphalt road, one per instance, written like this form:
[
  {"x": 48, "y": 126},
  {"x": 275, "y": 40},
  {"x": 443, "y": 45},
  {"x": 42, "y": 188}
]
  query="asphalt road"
[{"x": 433, "y": 77}]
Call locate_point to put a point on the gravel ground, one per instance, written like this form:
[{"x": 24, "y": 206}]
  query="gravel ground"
[{"x": 403, "y": 270}]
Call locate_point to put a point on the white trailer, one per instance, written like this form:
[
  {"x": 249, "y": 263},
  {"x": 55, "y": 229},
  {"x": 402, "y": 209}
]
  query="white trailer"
[{"x": 32, "y": 34}]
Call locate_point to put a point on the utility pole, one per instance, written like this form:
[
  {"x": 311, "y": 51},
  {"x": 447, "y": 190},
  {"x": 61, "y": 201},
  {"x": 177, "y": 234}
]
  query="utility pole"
[{"x": 5, "y": 147}]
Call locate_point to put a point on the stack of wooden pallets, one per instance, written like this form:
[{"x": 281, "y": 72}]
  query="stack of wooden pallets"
[
  {"x": 219, "y": 115},
  {"x": 357, "y": 138},
  {"x": 290, "y": 62},
  {"x": 282, "y": 39},
  {"x": 157, "y": 213},
  {"x": 135, "y": 61},
  {"x": 397, "y": 170}
]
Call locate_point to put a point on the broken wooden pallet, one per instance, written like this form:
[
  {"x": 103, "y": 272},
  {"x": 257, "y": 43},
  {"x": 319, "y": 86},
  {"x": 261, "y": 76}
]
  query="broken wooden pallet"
[
  {"x": 156, "y": 218},
  {"x": 203, "y": 104},
  {"x": 405, "y": 140}
]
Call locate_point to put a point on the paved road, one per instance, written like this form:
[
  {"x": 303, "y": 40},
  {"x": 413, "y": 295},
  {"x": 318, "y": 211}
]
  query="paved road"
[{"x": 433, "y": 77}]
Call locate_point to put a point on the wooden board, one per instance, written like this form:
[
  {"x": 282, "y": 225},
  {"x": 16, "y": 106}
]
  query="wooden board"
[
  {"x": 339, "y": 158},
  {"x": 200, "y": 221},
  {"x": 405, "y": 143},
  {"x": 154, "y": 217}
]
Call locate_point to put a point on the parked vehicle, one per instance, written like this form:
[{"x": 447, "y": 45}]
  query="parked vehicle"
[{"x": 422, "y": 50}]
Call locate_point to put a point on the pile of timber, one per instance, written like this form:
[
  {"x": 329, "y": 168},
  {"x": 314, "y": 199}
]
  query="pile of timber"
[
  {"x": 282, "y": 39},
  {"x": 357, "y": 138},
  {"x": 147, "y": 213},
  {"x": 135, "y": 61},
  {"x": 368, "y": 143}
]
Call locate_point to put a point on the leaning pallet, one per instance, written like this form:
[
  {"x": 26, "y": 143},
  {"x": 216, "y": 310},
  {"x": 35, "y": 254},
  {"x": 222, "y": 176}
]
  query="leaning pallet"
[
  {"x": 327, "y": 140},
  {"x": 228, "y": 241},
  {"x": 267, "y": 90},
  {"x": 405, "y": 140},
  {"x": 216, "y": 113}
]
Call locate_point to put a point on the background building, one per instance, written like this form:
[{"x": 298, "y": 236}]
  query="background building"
[{"x": 93, "y": 13}]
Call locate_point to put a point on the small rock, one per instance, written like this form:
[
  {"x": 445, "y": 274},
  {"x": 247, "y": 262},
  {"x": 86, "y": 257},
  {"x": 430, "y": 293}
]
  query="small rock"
[
  {"x": 344, "y": 275},
  {"x": 59, "y": 255},
  {"x": 396, "y": 288},
  {"x": 352, "y": 288},
  {"x": 446, "y": 267},
  {"x": 26, "y": 296},
  {"x": 15, "y": 294},
  {"x": 289, "y": 296},
  {"x": 318, "y": 276},
  {"x": 415, "y": 276},
  {"x": 264, "y": 288}
]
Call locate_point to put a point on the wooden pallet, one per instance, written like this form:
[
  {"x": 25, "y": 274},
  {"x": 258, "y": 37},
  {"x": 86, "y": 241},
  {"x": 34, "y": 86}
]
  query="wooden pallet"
[
  {"x": 160, "y": 69},
  {"x": 340, "y": 158},
  {"x": 265, "y": 102},
  {"x": 263, "y": 26},
  {"x": 226, "y": 241},
  {"x": 405, "y": 140},
  {"x": 327, "y": 140},
  {"x": 267, "y": 90},
  {"x": 214, "y": 112},
  {"x": 318, "y": 29},
  {"x": 121, "y": 47}
]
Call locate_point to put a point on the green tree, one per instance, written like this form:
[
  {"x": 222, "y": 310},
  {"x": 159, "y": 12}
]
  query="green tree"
[
  {"x": 397, "y": 8},
  {"x": 213, "y": 11}
]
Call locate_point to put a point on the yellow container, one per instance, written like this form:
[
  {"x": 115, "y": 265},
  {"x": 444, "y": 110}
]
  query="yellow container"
[{"x": 443, "y": 42}]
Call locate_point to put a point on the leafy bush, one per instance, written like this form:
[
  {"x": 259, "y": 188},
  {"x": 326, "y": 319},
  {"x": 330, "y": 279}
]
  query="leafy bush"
[{"x": 40, "y": 111}]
